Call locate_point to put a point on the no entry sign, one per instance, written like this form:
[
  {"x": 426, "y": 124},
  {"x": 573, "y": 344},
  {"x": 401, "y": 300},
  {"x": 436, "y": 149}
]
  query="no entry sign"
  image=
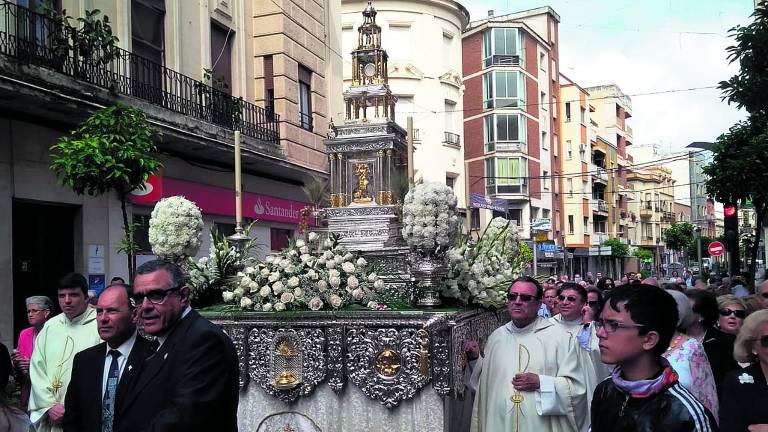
[{"x": 716, "y": 249}]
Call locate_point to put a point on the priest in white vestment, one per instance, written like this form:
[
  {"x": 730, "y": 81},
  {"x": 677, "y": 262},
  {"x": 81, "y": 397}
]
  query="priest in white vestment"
[
  {"x": 530, "y": 378},
  {"x": 575, "y": 318},
  {"x": 61, "y": 338}
]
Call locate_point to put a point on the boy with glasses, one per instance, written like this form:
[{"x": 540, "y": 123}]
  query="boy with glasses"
[
  {"x": 643, "y": 394},
  {"x": 529, "y": 379}
]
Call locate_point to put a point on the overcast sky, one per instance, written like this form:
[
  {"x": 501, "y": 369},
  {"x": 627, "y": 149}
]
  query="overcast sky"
[{"x": 648, "y": 46}]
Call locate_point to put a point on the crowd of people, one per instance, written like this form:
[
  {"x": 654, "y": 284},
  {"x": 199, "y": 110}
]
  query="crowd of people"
[
  {"x": 578, "y": 354},
  {"x": 140, "y": 359},
  {"x": 586, "y": 354}
]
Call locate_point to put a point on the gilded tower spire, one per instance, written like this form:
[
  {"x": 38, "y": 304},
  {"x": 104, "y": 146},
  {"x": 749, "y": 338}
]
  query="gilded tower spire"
[{"x": 369, "y": 97}]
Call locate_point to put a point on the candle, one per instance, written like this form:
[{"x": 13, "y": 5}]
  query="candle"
[{"x": 238, "y": 183}]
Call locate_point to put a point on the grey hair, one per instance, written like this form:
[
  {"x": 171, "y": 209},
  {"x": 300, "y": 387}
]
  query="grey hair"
[
  {"x": 684, "y": 310},
  {"x": 42, "y": 301},
  {"x": 178, "y": 279}
]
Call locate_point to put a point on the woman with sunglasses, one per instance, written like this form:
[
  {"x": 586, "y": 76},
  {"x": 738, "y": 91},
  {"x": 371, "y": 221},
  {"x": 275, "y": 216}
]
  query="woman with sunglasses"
[
  {"x": 732, "y": 313},
  {"x": 745, "y": 391}
]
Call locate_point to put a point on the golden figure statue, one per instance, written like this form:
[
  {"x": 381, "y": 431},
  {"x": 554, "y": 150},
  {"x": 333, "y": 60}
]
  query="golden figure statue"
[{"x": 362, "y": 196}]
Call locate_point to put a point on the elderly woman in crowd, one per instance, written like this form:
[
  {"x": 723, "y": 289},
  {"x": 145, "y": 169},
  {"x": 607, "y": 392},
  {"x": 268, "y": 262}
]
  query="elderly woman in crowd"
[
  {"x": 38, "y": 311},
  {"x": 718, "y": 345},
  {"x": 687, "y": 357},
  {"x": 732, "y": 313},
  {"x": 745, "y": 392}
]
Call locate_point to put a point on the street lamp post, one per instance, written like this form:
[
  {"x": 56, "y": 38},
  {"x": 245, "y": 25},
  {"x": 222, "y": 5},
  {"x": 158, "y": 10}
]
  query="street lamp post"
[{"x": 698, "y": 248}]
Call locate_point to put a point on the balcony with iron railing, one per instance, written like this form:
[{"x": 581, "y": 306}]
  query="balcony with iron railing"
[
  {"x": 452, "y": 139},
  {"x": 600, "y": 174},
  {"x": 36, "y": 39},
  {"x": 600, "y": 205},
  {"x": 668, "y": 216}
]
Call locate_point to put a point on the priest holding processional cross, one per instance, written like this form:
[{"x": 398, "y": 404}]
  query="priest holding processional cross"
[{"x": 530, "y": 378}]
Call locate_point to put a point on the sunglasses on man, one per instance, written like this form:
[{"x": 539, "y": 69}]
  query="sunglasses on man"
[
  {"x": 525, "y": 298},
  {"x": 738, "y": 313},
  {"x": 564, "y": 298}
]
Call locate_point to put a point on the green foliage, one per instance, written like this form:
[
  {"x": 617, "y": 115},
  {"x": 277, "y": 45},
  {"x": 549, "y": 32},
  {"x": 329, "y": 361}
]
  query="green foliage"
[
  {"x": 680, "y": 237},
  {"x": 210, "y": 275},
  {"x": 619, "y": 249},
  {"x": 737, "y": 172},
  {"x": 643, "y": 255},
  {"x": 317, "y": 191},
  {"x": 748, "y": 88},
  {"x": 91, "y": 37},
  {"x": 112, "y": 150}
]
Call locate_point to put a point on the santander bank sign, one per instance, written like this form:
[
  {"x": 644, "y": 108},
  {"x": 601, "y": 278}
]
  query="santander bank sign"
[{"x": 216, "y": 200}]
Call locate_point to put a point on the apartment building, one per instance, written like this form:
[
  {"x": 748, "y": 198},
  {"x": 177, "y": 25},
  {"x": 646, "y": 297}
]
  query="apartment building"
[
  {"x": 594, "y": 199},
  {"x": 511, "y": 127},
  {"x": 654, "y": 201},
  {"x": 612, "y": 110},
  {"x": 423, "y": 41},
  {"x": 197, "y": 70}
]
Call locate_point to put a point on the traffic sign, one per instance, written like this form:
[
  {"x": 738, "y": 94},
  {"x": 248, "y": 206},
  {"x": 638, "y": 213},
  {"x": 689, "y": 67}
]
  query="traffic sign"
[{"x": 716, "y": 248}]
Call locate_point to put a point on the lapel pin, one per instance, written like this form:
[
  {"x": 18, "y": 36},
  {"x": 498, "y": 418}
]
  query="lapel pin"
[
  {"x": 130, "y": 367},
  {"x": 165, "y": 356}
]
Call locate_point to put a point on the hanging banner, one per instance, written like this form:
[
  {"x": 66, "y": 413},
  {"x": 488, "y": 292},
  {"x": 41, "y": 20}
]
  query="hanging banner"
[{"x": 486, "y": 202}]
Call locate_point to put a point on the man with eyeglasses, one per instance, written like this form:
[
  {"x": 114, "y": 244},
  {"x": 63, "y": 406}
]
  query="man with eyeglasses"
[
  {"x": 101, "y": 374},
  {"x": 62, "y": 337},
  {"x": 529, "y": 379},
  {"x": 190, "y": 383},
  {"x": 575, "y": 319},
  {"x": 643, "y": 394}
]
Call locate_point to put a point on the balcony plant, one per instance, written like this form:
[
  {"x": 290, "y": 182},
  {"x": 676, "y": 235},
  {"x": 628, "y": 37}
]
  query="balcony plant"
[{"x": 90, "y": 41}]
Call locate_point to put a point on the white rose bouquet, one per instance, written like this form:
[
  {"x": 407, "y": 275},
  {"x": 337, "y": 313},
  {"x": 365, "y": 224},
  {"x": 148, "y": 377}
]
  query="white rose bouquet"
[
  {"x": 429, "y": 217},
  {"x": 312, "y": 275},
  {"x": 209, "y": 275},
  {"x": 480, "y": 272},
  {"x": 174, "y": 228}
]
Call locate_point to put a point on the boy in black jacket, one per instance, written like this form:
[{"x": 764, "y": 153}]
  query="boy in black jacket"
[{"x": 643, "y": 394}]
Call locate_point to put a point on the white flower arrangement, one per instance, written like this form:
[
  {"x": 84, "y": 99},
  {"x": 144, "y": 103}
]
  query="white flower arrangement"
[
  {"x": 312, "y": 284},
  {"x": 175, "y": 227},
  {"x": 429, "y": 217},
  {"x": 480, "y": 272},
  {"x": 209, "y": 275}
]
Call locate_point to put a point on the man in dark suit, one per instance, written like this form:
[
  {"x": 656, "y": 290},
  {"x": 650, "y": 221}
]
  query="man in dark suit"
[
  {"x": 101, "y": 374},
  {"x": 190, "y": 384}
]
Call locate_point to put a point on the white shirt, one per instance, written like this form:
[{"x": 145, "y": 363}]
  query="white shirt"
[
  {"x": 125, "y": 351},
  {"x": 161, "y": 339}
]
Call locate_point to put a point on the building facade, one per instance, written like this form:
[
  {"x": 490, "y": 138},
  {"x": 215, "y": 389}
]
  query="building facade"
[
  {"x": 653, "y": 200},
  {"x": 511, "y": 70},
  {"x": 423, "y": 41},
  {"x": 191, "y": 68}
]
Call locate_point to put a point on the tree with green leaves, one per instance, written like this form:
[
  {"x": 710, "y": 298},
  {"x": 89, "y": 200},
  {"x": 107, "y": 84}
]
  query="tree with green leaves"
[
  {"x": 113, "y": 150},
  {"x": 619, "y": 249},
  {"x": 680, "y": 237},
  {"x": 643, "y": 255},
  {"x": 737, "y": 173}
]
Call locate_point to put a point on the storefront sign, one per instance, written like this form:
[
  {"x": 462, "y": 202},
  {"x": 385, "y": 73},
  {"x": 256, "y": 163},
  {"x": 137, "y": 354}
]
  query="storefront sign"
[
  {"x": 486, "y": 202},
  {"x": 544, "y": 224},
  {"x": 216, "y": 200}
]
